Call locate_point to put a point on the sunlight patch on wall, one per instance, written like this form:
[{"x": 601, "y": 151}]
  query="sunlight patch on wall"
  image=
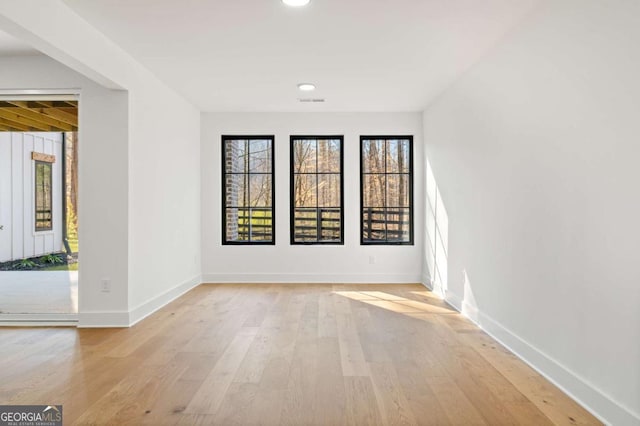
[
  {"x": 469, "y": 305},
  {"x": 437, "y": 235}
]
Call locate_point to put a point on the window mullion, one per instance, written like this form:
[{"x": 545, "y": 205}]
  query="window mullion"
[{"x": 248, "y": 187}]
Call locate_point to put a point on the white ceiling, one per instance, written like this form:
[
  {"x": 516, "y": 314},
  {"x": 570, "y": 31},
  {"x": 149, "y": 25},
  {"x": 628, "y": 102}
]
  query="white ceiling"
[
  {"x": 10, "y": 46},
  {"x": 248, "y": 55}
]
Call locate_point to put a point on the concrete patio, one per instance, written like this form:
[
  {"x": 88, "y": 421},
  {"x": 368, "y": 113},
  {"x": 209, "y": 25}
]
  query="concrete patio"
[{"x": 39, "y": 292}]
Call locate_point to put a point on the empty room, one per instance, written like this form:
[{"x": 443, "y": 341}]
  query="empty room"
[{"x": 319, "y": 212}]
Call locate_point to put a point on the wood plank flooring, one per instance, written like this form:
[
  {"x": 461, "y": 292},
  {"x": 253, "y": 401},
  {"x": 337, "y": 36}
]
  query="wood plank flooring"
[{"x": 283, "y": 354}]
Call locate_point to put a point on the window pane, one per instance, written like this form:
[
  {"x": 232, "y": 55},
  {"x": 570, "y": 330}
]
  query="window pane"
[
  {"x": 237, "y": 194},
  {"x": 260, "y": 156},
  {"x": 249, "y": 224},
  {"x": 261, "y": 225},
  {"x": 304, "y": 156},
  {"x": 236, "y": 159},
  {"x": 373, "y": 191},
  {"x": 260, "y": 190},
  {"x": 398, "y": 221},
  {"x": 329, "y": 224},
  {"x": 237, "y": 224},
  {"x": 397, "y": 190},
  {"x": 306, "y": 225},
  {"x": 373, "y": 156},
  {"x": 329, "y": 190},
  {"x": 397, "y": 156},
  {"x": 39, "y": 186},
  {"x": 328, "y": 156},
  {"x": 305, "y": 190},
  {"x": 373, "y": 226},
  {"x": 47, "y": 188}
]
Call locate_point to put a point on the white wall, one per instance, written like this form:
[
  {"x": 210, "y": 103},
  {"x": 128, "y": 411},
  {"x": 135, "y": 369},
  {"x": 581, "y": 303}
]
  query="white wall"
[
  {"x": 164, "y": 195},
  {"x": 18, "y": 238},
  {"x": 286, "y": 263},
  {"x": 535, "y": 151}
]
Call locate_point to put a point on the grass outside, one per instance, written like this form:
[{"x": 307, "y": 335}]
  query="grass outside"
[
  {"x": 260, "y": 224},
  {"x": 72, "y": 267},
  {"x": 59, "y": 261},
  {"x": 259, "y": 218}
]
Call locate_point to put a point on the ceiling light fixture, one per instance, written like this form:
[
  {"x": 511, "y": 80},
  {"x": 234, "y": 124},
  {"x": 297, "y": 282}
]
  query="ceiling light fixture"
[
  {"x": 306, "y": 87},
  {"x": 296, "y": 3}
]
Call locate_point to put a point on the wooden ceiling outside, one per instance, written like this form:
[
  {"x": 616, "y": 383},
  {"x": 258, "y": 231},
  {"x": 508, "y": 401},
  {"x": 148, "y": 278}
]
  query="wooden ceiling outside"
[{"x": 39, "y": 116}]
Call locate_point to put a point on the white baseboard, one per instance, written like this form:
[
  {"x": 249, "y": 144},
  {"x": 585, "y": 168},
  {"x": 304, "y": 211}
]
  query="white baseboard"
[
  {"x": 453, "y": 300},
  {"x": 313, "y": 278},
  {"x": 431, "y": 285},
  {"x": 471, "y": 312},
  {"x": 591, "y": 398},
  {"x": 38, "y": 320},
  {"x": 103, "y": 319},
  {"x": 119, "y": 319},
  {"x": 426, "y": 281},
  {"x": 145, "y": 309}
]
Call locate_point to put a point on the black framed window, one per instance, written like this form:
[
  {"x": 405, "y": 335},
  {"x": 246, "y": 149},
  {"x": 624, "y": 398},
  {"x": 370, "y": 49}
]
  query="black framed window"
[
  {"x": 386, "y": 190},
  {"x": 317, "y": 214},
  {"x": 43, "y": 196},
  {"x": 248, "y": 190}
]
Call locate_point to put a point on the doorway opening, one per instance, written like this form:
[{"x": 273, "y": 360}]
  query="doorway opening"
[{"x": 39, "y": 208}]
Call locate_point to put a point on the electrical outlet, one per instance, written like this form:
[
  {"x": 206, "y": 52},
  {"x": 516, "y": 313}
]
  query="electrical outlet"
[
  {"x": 105, "y": 285},
  {"x": 372, "y": 260}
]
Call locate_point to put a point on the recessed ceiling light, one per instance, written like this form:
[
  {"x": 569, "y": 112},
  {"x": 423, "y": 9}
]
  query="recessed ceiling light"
[
  {"x": 306, "y": 87},
  {"x": 296, "y": 3}
]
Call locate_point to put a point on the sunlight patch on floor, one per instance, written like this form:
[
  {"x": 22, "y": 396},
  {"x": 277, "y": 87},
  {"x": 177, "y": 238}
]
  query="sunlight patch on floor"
[{"x": 394, "y": 302}]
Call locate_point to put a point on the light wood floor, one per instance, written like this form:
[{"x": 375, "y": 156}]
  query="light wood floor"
[{"x": 283, "y": 354}]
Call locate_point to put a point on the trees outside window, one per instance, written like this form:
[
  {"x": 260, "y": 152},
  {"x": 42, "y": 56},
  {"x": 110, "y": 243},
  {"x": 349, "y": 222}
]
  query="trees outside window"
[
  {"x": 316, "y": 190},
  {"x": 248, "y": 190},
  {"x": 386, "y": 168}
]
